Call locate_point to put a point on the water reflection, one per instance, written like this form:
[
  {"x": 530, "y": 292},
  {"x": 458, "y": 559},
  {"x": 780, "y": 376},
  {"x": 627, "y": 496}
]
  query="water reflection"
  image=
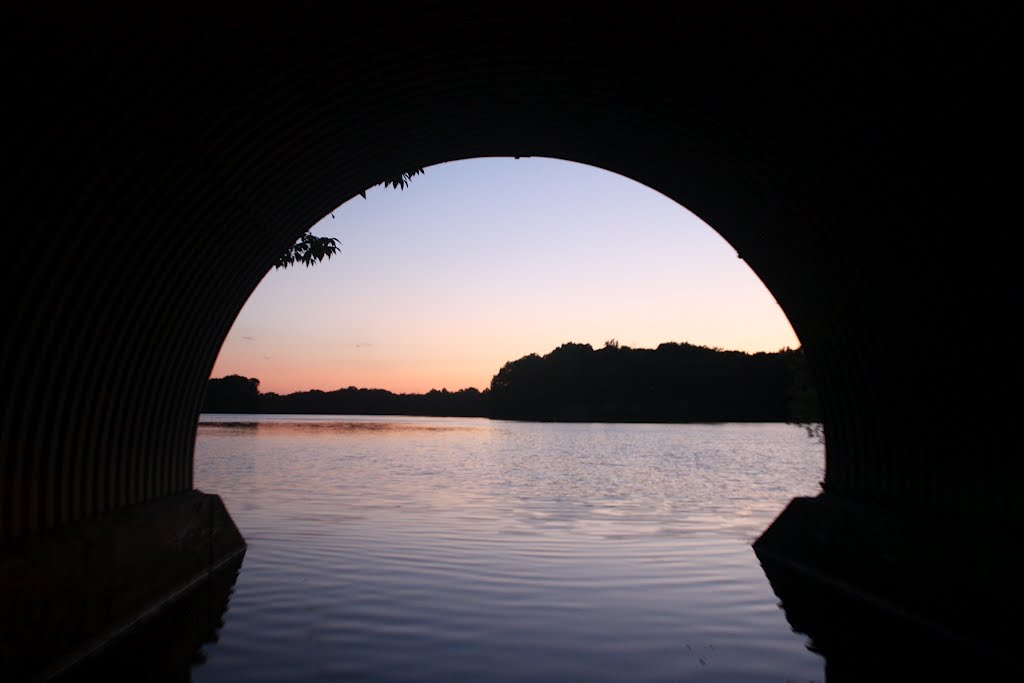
[
  {"x": 863, "y": 641},
  {"x": 399, "y": 549},
  {"x": 165, "y": 648},
  {"x": 858, "y": 641},
  {"x": 298, "y": 425}
]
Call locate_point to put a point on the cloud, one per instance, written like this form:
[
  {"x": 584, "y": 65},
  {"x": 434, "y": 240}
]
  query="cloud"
[
  {"x": 362, "y": 345},
  {"x": 246, "y": 338}
]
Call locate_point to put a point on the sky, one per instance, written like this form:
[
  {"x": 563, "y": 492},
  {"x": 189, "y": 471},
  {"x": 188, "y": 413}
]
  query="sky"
[{"x": 483, "y": 261}]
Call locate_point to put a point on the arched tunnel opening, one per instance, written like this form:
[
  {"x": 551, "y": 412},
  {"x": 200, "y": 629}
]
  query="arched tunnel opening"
[
  {"x": 163, "y": 159},
  {"x": 479, "y": 262},
  {"x": 541, "y": 534}
]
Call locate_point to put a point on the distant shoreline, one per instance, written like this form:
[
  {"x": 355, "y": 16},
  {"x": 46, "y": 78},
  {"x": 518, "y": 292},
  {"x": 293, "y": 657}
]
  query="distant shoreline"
[{"x": 575, "y": 383}]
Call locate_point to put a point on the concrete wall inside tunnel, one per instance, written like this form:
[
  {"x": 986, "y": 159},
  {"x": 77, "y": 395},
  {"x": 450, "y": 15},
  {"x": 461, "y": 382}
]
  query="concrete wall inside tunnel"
[
  {"x": 188, "y": 149},
  {"x": 161, "y": 160}
]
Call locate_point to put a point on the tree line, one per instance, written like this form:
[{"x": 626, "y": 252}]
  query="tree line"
[
  {"x": 237, "y": 394},
  {"x": 577, "y": 383}
]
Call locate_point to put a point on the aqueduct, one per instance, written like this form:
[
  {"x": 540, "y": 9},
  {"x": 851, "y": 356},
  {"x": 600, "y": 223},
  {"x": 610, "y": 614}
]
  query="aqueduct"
[{"x": 160, "y": 155}]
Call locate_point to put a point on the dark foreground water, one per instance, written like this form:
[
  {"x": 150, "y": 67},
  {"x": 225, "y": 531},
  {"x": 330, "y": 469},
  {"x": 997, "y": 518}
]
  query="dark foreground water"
[{"x": 441, "y": 549}]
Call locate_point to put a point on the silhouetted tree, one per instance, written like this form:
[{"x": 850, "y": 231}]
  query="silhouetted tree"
[
  {"x": 804, "y": 409},
  {"x": 310, "y": 248},
  {"x": 576, "y": 383},
  {"x": 232, "y": 394},
  {"x": 236, "y": 394},
  {"x": 673, "y": 383}
]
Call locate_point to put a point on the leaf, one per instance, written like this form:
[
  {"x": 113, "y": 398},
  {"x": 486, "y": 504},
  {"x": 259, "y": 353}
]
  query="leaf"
[{"x": 309, "y": 248}]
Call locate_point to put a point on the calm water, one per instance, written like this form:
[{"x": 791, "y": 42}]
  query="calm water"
[{"x": 446, "y": 549}]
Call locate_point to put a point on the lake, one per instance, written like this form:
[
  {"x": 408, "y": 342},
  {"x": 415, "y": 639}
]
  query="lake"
[{"x": 452, "y": 549}]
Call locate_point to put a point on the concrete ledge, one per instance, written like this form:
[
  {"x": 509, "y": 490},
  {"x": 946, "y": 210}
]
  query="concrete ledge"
[
  {"x": 901, "y": 588},
  {"x": 68, "y": 593}
]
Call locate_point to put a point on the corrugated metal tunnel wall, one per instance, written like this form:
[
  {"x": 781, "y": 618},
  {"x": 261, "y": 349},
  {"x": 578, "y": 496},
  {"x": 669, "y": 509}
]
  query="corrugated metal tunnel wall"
[{"x": 160, "y": 155}]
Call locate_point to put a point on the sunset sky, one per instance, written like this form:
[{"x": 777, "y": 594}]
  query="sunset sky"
[{"x": 483, "y": 261}]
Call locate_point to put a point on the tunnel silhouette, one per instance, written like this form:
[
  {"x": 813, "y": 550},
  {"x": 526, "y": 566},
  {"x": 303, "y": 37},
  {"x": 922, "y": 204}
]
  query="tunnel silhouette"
[{"x": 161, "y": 156}]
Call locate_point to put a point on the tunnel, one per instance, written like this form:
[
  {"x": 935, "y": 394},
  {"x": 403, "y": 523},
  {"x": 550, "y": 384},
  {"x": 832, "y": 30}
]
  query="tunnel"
[{"x": 161, "y": 155}]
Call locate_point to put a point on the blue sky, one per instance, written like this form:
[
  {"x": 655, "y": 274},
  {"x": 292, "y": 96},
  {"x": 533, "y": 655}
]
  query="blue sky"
[{"x": 482, "y": 261}]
